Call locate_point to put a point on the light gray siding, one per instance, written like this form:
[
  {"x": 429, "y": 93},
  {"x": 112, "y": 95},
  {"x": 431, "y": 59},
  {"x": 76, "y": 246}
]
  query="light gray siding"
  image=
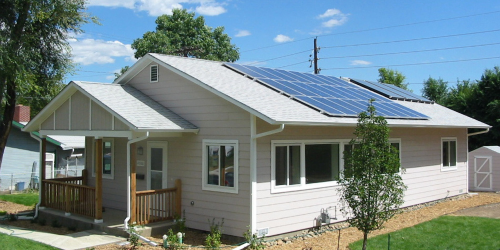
[
  {"x": 420, "y": 157},
  {"x": 217, "y": 119},
  {"x": 80, "y": 109},
  {"x": 475, "y": 179}
]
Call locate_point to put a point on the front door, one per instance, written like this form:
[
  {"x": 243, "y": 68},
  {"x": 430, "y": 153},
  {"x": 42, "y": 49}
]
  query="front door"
[
  {"x": 157, "y": 165},
  {"x": 482, "y": 173}
]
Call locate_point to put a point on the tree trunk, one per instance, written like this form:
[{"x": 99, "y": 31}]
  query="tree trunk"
[
  {"x": 365, "y": 240},
  {"x": 7, "y": 117}
]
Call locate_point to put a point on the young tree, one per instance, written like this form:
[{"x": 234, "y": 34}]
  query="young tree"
[
  {"x": 183, "y": 34},
  {"x": 435, "y": 90},
  {"x": 393, "y": 77},
  {"x": 371, "y": 188},
  {"x": 33, "y": 49}
]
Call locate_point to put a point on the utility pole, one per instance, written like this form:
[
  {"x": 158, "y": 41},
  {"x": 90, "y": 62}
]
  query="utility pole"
[{"x": 315, "y": 60}]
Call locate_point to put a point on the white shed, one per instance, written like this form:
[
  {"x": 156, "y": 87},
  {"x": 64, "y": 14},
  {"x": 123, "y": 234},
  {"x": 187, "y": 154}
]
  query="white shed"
[{"x": 484, "y": 169}]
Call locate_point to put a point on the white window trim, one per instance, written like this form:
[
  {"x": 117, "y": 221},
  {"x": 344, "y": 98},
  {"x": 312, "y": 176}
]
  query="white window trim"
[
  {"x": 445, "y": 168},
  {"x": 207, "y": 187},
  {"x": 105, "y": 176},
  {"x": 302, "y": 143},
  {"x": 157, "y": 72}
]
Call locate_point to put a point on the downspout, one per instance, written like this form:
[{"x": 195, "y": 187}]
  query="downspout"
[
  {"x": 467, "y": 168},
  {"x": 37, "y": 206},
  {"x": 125, "y": 222},
  {"x": 253, "y": 167}
]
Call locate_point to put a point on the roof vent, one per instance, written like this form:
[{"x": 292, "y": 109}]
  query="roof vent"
[{"x": 154, "y": 73}]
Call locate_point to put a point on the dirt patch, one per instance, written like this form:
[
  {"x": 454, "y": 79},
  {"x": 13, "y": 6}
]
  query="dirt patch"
[{"x": 43, "y": 226}]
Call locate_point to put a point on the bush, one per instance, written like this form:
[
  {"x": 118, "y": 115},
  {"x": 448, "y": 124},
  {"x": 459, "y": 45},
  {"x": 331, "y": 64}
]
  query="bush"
[{"x": 213, "y": 240}]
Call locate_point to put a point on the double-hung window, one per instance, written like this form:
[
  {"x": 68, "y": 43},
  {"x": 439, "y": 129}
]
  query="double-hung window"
[
  {"x": 220, "y": 165},
  {"x": 449, "y": 154}
]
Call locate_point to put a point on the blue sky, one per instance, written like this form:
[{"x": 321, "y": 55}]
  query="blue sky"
[{"x": 452, "y": 40}]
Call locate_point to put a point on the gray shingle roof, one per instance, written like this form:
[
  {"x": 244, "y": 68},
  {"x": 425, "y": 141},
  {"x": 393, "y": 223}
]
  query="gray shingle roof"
[
  {"x": 139, "y": 110},
  {"x": 276, "y": 108}
]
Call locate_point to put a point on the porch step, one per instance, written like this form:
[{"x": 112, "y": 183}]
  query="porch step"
[{"x": 112, "y": 225}]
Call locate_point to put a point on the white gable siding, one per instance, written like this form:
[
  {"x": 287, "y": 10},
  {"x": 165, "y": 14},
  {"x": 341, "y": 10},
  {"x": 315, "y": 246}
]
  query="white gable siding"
[
  {"x": 421, "y": 156},
  {"x": 218, "y": 120}
]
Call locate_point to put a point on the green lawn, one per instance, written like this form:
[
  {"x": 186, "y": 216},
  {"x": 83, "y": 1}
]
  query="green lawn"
[
  {"x": 28, "y": 199},
  {"x": 445, "y": 232},
  {"x": 14, "y": 243}
]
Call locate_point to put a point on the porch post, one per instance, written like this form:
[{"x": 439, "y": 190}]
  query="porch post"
[
  {"x": 42, "y": 191},
  {"x": 98, "y": 180},
  {"x": 133, "y": 182},
  {"x": 178, "y": 197}
]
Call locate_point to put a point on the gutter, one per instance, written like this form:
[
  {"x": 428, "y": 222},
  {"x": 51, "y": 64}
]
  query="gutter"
[
  {"x": 253, "y": 167},
  {"x": 480, "y": 132},
  {"x": 37, "y": 206},
  {"x": 125, "y": 222}
]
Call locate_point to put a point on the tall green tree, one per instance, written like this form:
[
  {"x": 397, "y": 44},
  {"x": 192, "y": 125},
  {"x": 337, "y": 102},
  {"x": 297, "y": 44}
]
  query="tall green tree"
[
  {"x": 371, "y": 188},
  {"x": 33, "y": 48},
  {"x": 183, "y": 34},
  {"x": 393, "y": 77},
  {"x": 435, "y": 90}
]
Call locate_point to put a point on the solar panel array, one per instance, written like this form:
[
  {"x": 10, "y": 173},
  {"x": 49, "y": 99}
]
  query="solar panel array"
[
  {"x": 390, "y": 91},
  {"x": 327, "y": 94}
]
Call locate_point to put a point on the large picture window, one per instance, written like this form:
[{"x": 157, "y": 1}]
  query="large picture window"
[
  {"x": 449, "y": 153},
  {"x": 220, "y": 165},
  {"x": 298, "y": 165}
]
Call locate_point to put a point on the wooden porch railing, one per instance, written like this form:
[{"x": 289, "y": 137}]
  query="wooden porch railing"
[
  {"x": 158, "y": 205},
  {"x": 67, "y": 195}
]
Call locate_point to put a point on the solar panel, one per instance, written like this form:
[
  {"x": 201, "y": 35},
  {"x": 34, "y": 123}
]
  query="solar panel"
[
  {"x": 390, "y": 91},
  {"x": 329, "y": 95}
]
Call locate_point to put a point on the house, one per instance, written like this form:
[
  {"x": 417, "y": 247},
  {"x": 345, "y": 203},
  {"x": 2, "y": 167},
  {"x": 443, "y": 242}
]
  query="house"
[
  {"x": 484, "y": 169},
  {"x": 252, "y": 145},
  {"x": 22, "y": 154}
]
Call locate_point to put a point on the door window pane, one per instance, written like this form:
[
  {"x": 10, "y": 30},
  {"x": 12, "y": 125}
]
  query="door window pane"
[
  {"x": 157, "y": 159},
  {"x": 156, "y": 180}
]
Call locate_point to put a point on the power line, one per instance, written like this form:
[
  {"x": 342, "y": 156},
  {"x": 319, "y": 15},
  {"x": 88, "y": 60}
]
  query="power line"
[
  {"x": 413, "y": 39},
  {"x": 424, "y": 63},
  {"x": 412, "y": 51},
  {"x": 373, "y": 29},
  {"x": 278, "y": 57}
]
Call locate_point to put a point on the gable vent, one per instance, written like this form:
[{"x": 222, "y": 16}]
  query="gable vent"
[{"x": 154, "y": 73}]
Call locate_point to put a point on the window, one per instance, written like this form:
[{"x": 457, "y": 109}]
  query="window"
[
  {"x": 295, "y": 165},
  {"x": 107, "y": 159},
  {"x": 449, "y": 153},
  {"x": 154, "y": 73},
  {"x": 395, "y": 143},
  {"x": 220, "y": 165}
]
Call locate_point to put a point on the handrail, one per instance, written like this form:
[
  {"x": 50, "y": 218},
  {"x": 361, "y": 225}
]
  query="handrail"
[
  {"x": 158, "y": 205},
  {"x": 69, "y": 197},
  {"x": 79, "y": 178},
  {"x": 156, "y": 191}
]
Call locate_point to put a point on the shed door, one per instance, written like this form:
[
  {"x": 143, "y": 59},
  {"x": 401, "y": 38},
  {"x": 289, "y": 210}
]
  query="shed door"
[{"x": 482, "y": 172}]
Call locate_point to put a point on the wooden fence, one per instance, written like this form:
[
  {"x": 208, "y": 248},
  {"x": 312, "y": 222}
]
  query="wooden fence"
[
  {"x": 68, "y": 196},
  {"x": 158, "y": 205}
]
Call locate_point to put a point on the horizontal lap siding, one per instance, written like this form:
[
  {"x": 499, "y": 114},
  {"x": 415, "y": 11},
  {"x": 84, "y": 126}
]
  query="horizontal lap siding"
[
  {"x": 421, "y": 156},
  {"x": 217, "y": 119}
]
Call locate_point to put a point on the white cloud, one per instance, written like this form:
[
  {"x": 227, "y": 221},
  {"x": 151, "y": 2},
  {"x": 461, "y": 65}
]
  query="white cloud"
[
  {"x": 360, "y": 62},
  {"x": 335, "y": 16},
  {"x": 210, "y": 9},
  {"x": 329, "y": 13},
  {"x": 282, "y": 39},
  {"x": 242, "y": 33},
  {"x": 91, "y": 51},
  {"x": 160, "y": 7}
]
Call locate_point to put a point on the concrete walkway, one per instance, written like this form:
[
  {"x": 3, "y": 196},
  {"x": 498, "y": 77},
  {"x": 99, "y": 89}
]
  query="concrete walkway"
[
  {"x": 80, "y": 240},
  {"x": 489, "y": 210}
]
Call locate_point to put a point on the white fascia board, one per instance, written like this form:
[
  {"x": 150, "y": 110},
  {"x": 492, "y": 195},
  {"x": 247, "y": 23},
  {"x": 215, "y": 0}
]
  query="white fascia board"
[
  {"x": 99, "y": 133},
  {"x": 348, "y": 124}
]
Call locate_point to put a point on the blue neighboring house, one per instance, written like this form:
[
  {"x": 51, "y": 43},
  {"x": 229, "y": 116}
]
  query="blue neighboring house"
[{"x": 21, "y": 158}]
